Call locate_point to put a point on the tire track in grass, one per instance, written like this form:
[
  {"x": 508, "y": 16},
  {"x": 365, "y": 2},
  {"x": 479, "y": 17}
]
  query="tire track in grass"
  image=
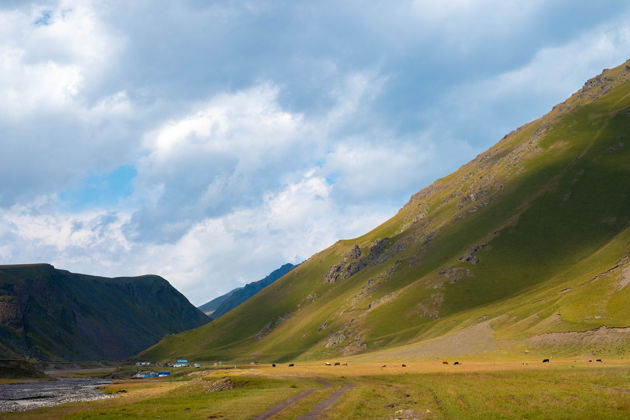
[
  {"x": 317, "y": 411},
  {"x": 288, "y": 403}
]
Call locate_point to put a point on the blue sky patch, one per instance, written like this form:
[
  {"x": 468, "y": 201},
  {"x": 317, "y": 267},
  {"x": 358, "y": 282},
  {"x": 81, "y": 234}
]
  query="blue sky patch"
[
  {"x": 101, "y": 190},
  {"x": 45, "y": 18}
]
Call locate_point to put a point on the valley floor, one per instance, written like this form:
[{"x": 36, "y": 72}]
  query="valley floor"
[{"x": 566, "y": 389}]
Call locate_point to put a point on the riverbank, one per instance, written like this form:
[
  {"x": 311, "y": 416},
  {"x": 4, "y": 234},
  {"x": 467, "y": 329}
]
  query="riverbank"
[{"x": 30, "y": 395}]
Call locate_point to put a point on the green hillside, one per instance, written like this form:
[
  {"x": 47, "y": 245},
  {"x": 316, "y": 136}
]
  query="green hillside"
[
  {"x": 52, "y": 314},
  {"x": 524, "y": 250}
]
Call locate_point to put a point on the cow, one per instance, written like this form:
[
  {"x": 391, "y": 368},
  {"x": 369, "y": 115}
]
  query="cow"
[
  {"x": 327, "y": 364},
  {"x": 456, "y": 363},
  {"x": 291, "y": 365},
  {"x": 599, "y": 360},
  {"x": 545, "y": 361},
  {"x": 590, "y": 361},
  {"x": 273, "y": 365},
  {"x": 345, "y": 364},
  {"x": 337, "y": 364},
  {"x": 444, "y": 362},
  {"x": 384, "y": 366},
  {"x": 404, "y": 365}
]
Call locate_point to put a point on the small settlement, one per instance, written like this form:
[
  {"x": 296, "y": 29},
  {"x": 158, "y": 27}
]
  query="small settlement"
[{"x": 179, "y": 363}]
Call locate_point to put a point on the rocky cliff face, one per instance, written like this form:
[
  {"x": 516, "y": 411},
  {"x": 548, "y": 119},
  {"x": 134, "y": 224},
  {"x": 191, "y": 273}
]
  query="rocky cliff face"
[{"x": 52, "y": 314}]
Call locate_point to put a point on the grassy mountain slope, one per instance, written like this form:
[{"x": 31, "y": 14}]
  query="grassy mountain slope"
[
  {"x": 223, "y": 304},
  {"x": 53, "y": 314},
  {"x": 524, "y": 249}
]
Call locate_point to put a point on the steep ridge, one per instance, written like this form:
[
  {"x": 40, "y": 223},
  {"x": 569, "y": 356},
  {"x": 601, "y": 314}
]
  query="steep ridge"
[
  {"x": 522, "y": 250},
  {"x": 52, "y": 314},
  {"x": 225, "y": 303},
  {"x": 209, "y": 307}
]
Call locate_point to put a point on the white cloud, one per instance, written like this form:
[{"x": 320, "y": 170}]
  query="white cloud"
[
  {"x": 556, "y": 71},
  {"x": 56, "y": 122},
  {"x": 261, "y": 132},
  {"x": 232, "y": 150},
  {"x": 371, "y": 171},
  {"x": 288, "y": 226},
  {"x": 492, "y": 106},
  {"x": 46, "y": 67},
  {"x": 245, "y": 123}
]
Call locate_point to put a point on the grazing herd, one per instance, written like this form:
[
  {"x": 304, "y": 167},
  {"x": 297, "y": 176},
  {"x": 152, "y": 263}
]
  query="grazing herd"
[{"x": 444, "y": 362}]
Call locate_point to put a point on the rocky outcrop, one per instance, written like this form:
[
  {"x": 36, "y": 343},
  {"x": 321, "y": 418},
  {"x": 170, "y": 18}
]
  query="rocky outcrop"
[
  {"x": 223, "y": 384},
  {"x": 270, "y": 326},
  {"x": 454, "y": 275},
  {"x": 347, "y": 340},
  {"x": 355, "y": 261},
  {"x": 471, "y": 255}
]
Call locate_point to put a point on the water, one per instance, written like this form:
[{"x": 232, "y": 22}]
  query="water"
[{"x": 30, "y": 395}]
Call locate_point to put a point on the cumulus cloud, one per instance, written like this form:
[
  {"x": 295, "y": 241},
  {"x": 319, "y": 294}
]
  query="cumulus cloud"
[
  {"x": 53, "y": 128},
  {"x": 286, "y": 226},
  {"x": 252, "y": 130},
  {"x": 216, "y": 158}
]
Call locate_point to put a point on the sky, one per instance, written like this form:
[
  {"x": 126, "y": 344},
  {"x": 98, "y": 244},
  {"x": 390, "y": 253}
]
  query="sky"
[{"x": 212, "y": 141}]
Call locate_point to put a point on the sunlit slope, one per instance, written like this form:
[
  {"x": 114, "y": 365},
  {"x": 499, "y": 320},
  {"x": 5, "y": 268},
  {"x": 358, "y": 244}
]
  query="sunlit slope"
[{"x": 526, "y": 242}]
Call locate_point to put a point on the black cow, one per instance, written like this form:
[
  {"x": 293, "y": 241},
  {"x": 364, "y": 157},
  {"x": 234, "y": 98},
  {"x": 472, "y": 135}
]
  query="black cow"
[
  {"x": 599, "y": 360},
  {"x": 456, "y": 363},
  {"x": 545, "y": 361},
  {"x": 291, "y": 365},
  {"x": 273, "y": 365}
]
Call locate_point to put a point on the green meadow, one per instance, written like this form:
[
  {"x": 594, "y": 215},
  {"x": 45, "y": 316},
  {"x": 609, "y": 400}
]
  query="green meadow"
[{"x": 560, "y": 390}]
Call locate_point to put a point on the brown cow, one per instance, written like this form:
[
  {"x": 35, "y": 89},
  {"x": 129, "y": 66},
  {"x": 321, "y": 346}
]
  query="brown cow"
[{"x": 444, "y": 362}]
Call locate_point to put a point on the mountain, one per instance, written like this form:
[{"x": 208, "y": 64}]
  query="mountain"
[
  {"x": 52, "y": 314},
  {"x": 210, "y": 307},
  {"x": 525, "y": 250},
  {"x": 223, "y": 304}
]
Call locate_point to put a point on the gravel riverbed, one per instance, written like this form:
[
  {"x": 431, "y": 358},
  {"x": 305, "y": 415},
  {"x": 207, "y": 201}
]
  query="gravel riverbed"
[{"x": 30, "y": 395}]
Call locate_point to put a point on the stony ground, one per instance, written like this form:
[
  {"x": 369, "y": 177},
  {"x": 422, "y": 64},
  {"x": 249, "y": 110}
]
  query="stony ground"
[{"x": 31, "y": 395}]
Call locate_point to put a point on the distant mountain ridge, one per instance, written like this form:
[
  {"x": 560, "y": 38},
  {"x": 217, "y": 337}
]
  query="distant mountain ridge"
[
  {"x": 52, "y": 314},
  {"x": 225, "y": 303}
]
